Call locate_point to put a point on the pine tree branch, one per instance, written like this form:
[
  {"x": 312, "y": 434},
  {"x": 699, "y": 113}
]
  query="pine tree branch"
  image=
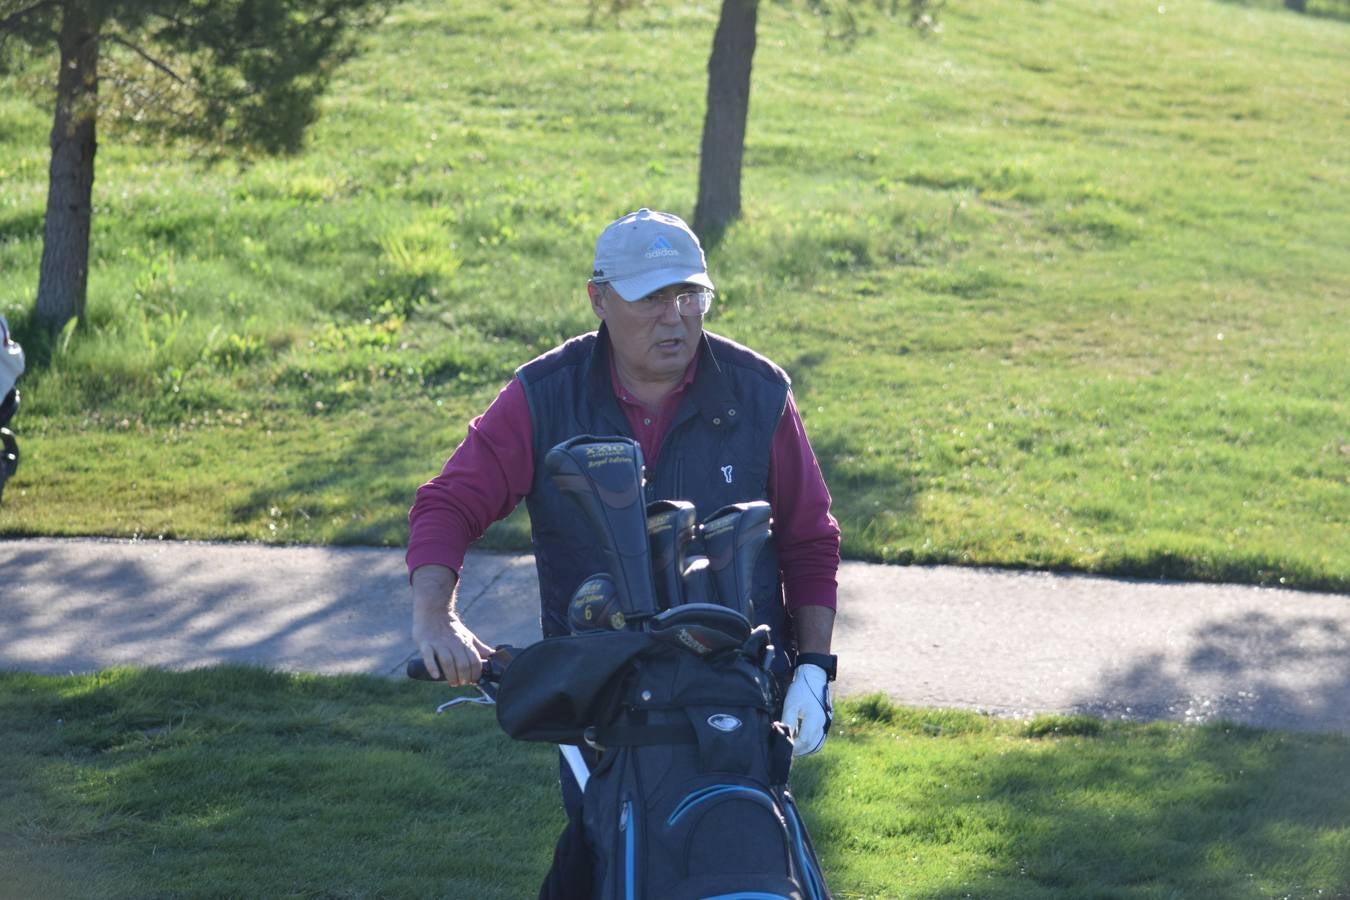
[
  {"x": 117, "y": 39},
  {"x": 13, "y": 20}
]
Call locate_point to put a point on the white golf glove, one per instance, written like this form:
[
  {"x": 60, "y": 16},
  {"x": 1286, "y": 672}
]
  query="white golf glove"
[{"x": 807, "y": 710}]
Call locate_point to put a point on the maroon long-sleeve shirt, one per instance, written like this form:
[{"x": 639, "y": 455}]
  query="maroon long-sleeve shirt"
[{"x": 493, "y": 469}]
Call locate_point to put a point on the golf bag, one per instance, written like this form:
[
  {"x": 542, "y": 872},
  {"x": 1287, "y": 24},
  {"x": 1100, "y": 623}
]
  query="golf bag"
[
  {"x": 11, "y": 367},
  {"x": 666, "y": 680}
]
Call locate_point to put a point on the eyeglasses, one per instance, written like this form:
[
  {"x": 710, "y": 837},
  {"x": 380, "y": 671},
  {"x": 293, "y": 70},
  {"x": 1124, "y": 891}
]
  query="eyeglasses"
[{"x": 688, "y": 303}]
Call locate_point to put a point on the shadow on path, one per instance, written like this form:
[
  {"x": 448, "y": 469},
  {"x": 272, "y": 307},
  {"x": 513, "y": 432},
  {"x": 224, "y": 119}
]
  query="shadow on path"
[
  {"x": 74, "y": 606},
  {"x": 1252, "y": 667}
]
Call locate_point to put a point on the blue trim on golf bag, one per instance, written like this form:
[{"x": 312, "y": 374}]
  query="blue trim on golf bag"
[
  {"x": 705, "y": 816},
  {"x": 687, "y": 798},
  {"x": 628, "y": 825}
]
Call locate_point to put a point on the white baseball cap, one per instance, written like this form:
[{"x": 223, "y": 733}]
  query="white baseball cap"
[{"x": 646, "y": 251}]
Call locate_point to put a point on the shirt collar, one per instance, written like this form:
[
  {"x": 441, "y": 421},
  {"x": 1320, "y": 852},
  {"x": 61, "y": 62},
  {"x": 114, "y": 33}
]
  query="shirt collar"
[{"x": 623, "y": 394}]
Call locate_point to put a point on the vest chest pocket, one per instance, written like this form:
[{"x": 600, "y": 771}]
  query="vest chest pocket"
[{"x": 710, "y": 473}]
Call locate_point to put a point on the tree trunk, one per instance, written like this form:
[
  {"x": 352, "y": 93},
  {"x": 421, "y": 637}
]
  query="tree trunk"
[
  {"x": 65, "y": 244},
  {"x": 719, "y": 172},
  {"x": 1296, "y": 5}
]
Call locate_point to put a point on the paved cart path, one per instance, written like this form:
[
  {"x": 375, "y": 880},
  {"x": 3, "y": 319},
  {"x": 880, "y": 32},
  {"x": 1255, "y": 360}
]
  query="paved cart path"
[{"x": 1008, "y": 643}]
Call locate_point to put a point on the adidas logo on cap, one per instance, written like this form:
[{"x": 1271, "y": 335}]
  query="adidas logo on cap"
[{"x": 660, "y": 247}]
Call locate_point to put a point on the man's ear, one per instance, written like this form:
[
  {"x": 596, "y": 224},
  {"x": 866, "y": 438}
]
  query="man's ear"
[{"x": 597, "y": 295}]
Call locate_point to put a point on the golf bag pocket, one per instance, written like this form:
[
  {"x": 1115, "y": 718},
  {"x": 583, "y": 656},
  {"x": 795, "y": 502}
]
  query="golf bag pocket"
[
  {"x": 554, "y": 689},
  {"x": 723, "y": 742},
  {"x": 700, "y": 838},
  {"x": 727, "y": 837}
]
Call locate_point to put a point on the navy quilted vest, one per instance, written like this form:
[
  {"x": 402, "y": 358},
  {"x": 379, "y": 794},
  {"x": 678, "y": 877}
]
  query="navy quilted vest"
[{"x": 716, "y": 452}]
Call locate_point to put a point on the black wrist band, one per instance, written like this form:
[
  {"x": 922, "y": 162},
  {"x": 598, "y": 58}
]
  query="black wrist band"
[{"x": 827, "y": 661}]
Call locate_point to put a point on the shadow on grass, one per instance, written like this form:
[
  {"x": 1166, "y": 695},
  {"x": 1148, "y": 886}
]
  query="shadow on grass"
[
  {"x": 1067, "y": 807},
  {"x": 863, "y": 493},
  {"x": 800, "y": 369},
  {"x": 1338, "y": 10},
  {"x": 1269, "y": 569},
  {"x": 200, "y": 782},
  {"x": 21, "y": 225},
  {"x": 1215, "y": 812},
  {"x": 1163, "y": 810},
  {"x": 352, "y": 493},
  {"x": 864, "y": 497},
  {"x": 1222, "y": 809}
]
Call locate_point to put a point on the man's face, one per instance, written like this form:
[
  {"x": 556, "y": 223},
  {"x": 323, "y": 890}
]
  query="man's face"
[{"x": 652, "y": 341}]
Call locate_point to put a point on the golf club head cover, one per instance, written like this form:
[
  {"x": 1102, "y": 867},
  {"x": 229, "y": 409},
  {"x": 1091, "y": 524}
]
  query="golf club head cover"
[
  {"x": 705, "y": 629},
  {"x": 595, "y": 606},
  {"x": 670, "y": 528},
  {"x": 732, "y": 538},
  {"x": 603, "y": 476}
]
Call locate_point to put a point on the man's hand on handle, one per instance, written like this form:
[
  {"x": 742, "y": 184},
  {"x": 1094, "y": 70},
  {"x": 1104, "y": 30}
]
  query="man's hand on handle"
[
  {"x": 808, "y": 710},
  {"x": 447, "y": 646},
  {"x": 807, "y": 707}
]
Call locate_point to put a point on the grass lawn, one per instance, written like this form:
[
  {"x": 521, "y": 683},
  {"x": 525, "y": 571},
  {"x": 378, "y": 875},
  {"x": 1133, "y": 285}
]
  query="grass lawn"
[
  {"x": 1063, "y": 286},
  {"x": 229, "y": 782}
]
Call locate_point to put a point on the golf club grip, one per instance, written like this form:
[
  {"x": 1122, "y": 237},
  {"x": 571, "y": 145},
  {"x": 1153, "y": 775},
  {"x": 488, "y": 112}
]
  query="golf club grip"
[
  {"x": 417, "y": 670},
  {"x": 493, "y": 666}
]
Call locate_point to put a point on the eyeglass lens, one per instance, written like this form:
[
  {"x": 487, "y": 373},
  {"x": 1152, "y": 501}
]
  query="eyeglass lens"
[{"x": 688, "y": 303}]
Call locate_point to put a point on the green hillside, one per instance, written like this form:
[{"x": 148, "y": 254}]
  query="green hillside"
[{"x": 1065, "y": 285}]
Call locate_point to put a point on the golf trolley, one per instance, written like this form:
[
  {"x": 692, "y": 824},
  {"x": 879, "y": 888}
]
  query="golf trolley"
[{"x": 666, "y": 681}]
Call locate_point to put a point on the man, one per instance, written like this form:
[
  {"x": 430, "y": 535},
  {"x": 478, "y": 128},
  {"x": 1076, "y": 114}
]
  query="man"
[{"x": 716, "y": 423}]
